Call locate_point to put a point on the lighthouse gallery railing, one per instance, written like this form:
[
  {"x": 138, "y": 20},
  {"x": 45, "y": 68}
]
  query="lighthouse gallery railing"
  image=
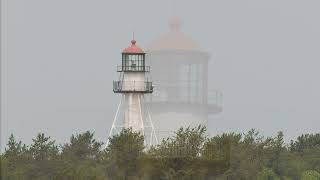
[
  {"x": 132, "y": 86},
  {"x": 133, "y": 68}
]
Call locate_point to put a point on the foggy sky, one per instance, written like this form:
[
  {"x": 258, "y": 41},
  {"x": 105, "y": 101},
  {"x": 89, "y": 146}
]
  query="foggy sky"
[{"x": 59, "y": 59}]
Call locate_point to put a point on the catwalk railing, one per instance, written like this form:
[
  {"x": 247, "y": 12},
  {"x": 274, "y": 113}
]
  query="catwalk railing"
[
  {"x": 132, "y": 87},
  {"x": 133, "y": 68}
]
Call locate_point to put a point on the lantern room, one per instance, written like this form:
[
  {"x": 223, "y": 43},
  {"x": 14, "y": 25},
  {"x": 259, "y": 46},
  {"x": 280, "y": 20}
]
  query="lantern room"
[{"x": 133, "y": 59}]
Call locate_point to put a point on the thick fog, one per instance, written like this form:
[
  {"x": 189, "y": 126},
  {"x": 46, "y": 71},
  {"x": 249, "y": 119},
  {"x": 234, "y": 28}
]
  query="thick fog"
[{"x": 59, "y": 59}]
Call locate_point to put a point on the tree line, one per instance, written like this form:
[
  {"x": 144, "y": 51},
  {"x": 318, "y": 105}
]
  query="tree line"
[{"x": 188, "y": 155}]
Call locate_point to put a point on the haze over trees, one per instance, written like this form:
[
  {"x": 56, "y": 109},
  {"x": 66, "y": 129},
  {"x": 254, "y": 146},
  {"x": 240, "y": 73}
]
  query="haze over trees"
[{"x": 190, "y": 154}]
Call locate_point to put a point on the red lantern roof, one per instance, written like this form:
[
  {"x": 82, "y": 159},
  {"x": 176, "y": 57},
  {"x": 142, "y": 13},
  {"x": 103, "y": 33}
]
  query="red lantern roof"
[{"x": 133, "y": 48}]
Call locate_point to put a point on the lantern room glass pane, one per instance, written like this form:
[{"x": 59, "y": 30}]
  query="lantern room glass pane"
[{"x": 133, "y": 62}]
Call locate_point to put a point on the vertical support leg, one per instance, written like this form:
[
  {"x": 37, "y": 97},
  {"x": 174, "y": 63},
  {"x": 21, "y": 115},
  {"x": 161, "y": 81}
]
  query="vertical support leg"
[
  {"x": 140, "y": 112},
  {"x": 114, "y": 121},
  {"x": 153, "y": 133},
  {"x": 153, "y": 130},
  {"x": 142, "y": 126}
]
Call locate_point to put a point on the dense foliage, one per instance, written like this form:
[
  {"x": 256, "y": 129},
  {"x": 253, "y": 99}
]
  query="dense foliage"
[{"x": 190, "y": 154}]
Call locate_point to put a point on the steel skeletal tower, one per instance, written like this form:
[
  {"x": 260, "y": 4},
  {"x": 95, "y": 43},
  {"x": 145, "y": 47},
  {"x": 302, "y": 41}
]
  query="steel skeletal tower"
[{"x": 133, "y": 84}]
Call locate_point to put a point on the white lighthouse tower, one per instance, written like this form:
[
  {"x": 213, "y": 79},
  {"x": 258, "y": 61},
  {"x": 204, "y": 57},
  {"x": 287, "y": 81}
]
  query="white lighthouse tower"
[{"x": 133, "y": 84}]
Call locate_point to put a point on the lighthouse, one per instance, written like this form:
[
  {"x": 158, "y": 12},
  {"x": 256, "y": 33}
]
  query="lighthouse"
[{"x": 133, "y": 85}]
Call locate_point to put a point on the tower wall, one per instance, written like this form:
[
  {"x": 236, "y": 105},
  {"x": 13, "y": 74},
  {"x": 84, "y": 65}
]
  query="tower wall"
[
  {"x": 133, "y": 81},
  {"x": 134, "y": 114}
]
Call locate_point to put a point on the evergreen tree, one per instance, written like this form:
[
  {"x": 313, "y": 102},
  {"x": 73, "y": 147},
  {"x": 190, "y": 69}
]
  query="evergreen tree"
[
  {"x": 267, "y": 174},
  {"x": 81, "y": 147},
  {"x": 123, "y": 153},
  {"x": 310, "y": 175},
  {"x": 43, "y": 148},
  {"x": 14, "y": 149},
  {"x": 305, "y": 141}
]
